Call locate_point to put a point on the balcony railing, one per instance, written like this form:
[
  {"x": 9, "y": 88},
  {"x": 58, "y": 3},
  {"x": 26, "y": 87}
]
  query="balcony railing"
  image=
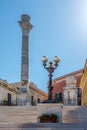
[
  {"x": 18, "y": 103},
  {"x": 7, "y": 103},
  {"x": 34, "y": 102}
]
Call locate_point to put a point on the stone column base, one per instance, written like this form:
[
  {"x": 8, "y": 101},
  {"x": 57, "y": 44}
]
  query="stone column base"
[{"x": 23, "y": 99}]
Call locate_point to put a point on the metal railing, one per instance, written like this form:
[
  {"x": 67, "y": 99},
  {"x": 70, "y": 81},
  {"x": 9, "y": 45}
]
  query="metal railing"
[
  {"x": 34, "y": 103},
  {"x": 18, "y": 103},
  {"x": 70, "y": 102},
  {"x": 7, "y": 103}
]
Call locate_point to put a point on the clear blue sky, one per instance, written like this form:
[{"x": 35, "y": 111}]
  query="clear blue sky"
[{"x": 60, "y": 28}]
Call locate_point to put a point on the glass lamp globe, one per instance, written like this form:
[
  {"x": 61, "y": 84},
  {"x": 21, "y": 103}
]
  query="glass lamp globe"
[
  {"x": 44, "y": 59},
  {"x": 56, "y": 59}
]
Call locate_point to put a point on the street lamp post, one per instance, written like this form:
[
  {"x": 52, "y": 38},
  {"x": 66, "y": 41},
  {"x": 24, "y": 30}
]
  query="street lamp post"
[{"x": 50, "y": 68}]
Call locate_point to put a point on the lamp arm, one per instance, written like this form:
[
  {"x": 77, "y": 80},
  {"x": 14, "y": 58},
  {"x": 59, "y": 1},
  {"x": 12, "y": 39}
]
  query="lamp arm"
[{"x": 56, "y": 64}]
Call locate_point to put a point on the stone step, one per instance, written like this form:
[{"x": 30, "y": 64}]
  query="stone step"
[
  {"x": 7, "y": 113},
  {"x": 42, "y": 126},
  {"x": 18, "y": 114},
  {"x": 74, "y": 114},
  {"x": 11, "y": 108}
]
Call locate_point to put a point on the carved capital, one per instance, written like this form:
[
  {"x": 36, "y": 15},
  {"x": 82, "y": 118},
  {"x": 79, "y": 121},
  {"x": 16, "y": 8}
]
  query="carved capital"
[{"x": 25, "y": 24}]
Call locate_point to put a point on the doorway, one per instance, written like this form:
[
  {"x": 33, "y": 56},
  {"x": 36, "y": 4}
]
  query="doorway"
[{"x": 9, "y": 99}]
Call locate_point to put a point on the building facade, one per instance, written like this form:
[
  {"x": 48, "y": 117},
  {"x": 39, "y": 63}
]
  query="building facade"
[
  {"x": 83, "y": 86},
  {"x": 8, "y": 93},
  {"x": 36, "y": 94},
  {"x": 66, "y": 88}
]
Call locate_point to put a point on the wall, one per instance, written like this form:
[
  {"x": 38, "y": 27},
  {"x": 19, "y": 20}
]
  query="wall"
[
  {"x": 60, "y": 83},
  {"x": 83, "y": 86},
  {"x": 4, "y": 90}
]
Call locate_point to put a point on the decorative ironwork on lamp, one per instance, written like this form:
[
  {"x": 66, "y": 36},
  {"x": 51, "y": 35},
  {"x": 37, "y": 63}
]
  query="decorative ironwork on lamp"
[{"x": 50, "y": 67}]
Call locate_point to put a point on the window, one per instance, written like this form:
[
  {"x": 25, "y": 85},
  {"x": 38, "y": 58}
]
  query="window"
[
  {"x": 32, "y": 98},
  {"x": 79, "y": 92},
  {"x": 9, "y": 99}
]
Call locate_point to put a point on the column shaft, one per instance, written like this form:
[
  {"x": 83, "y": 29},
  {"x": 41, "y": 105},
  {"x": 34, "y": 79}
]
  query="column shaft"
[{"x": 25, "y": 59}]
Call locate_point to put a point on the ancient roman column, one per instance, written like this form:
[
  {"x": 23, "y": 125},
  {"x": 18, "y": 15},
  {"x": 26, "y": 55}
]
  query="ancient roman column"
[{"x": 26, "y": 26}]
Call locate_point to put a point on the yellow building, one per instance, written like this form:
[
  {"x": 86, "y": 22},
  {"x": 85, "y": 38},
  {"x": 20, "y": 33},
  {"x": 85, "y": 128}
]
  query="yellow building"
[
  {"x": 8, "y": 93},
  {"x": 36, "y": 94},
  {"x": 83, "y": 86}
]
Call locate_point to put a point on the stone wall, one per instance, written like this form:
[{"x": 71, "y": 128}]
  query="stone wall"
[
  {"x": 83, "y": 85},
  {"x": 60, "y": 83},
  {"x": 6, "y": 89}
]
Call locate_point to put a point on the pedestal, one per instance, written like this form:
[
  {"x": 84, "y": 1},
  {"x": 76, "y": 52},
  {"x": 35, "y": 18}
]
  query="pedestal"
[
  {"x": 48, "y": 108},
  {"x": 23, "y": 97}
]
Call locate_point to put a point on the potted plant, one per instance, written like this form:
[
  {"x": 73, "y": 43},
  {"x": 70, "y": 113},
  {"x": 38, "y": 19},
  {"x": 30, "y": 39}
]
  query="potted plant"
[
  {"x": 48, "y": 118},
  {"x": 53, "y": 117}
]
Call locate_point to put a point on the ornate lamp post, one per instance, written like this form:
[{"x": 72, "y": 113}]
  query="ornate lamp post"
[{"x": 50, "y": 68}]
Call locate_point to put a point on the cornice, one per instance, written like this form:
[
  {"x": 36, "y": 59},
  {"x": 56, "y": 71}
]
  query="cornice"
[{"x": 61, "y": 78}]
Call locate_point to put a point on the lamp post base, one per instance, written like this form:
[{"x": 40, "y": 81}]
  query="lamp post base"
[{"x": 50, "y": 101}]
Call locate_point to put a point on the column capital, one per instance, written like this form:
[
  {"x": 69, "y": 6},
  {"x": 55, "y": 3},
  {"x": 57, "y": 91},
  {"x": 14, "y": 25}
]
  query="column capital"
[{"x": 25, "y": 24}]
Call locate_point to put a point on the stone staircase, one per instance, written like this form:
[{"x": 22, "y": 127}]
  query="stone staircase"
[
  {"x": 25, "y": 118},
  {"x": 18, "y": 114},
  {"x": 42, "y": 126},
  {"x": 74, "y": 114}
]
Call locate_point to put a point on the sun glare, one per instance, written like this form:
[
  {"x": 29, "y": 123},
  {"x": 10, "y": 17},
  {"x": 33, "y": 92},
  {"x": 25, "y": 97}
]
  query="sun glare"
[{"x": 83, "y": 14}]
